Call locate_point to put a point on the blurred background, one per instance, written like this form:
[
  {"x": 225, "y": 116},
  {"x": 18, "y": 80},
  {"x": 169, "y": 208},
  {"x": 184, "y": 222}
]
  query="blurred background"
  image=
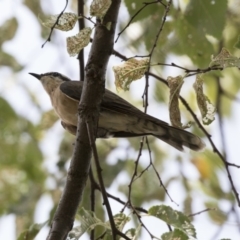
[{"x": 35, "y": 151}]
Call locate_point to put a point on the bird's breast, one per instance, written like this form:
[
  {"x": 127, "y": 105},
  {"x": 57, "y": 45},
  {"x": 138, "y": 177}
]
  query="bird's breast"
[{"x": 65, "y": 107}]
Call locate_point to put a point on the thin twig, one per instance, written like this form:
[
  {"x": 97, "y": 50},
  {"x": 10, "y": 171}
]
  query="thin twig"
[
  {"x": 115, "y": 231},
  {"x": 145, "y": 98},
  {"x": 159, "y": 178},
  {"x": 140, "y": 209},
  {"x": 218, "y": 105},
  {"x": 186, "y": 105},
  {"x": 233, "y": 165},
  {"x": 156, "y": 172},
  {"x": 198, "y": 213},
  {"x": 92, "y": 199},
  {"x": 50, "y": 34},
  {"x": 128, "y": 203},
  {"x": 87, "y": 18},
  {"x": 191, "y": 72},
  {"x": 215, "y": 236},
  {"x": 215, "y": 149},
  {"x": 99, "y": 174},
  {"x": 144, "y": 5},
  {"x": 235, "y": 212},
  {"x": 145, "y": 94},
  {"x": 81, "y": 25}
]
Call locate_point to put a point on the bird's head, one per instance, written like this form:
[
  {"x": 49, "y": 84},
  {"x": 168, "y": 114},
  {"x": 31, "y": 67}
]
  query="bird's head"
[{"x": 50, "y": 80}]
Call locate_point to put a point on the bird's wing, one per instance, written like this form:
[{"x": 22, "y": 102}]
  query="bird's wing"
[
  {"x": 72, "y": 89},
  {"x": 111, "y": 101},
  {"x": 70, "y": 128}
]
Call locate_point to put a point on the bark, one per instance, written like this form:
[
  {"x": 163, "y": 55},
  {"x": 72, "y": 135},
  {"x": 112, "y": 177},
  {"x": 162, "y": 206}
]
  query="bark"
[{"x": 93, "y": 90}]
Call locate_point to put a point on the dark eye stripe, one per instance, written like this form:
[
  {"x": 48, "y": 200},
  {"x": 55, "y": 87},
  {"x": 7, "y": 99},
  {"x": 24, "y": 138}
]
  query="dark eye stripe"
[{"x": 56, "y": 74}]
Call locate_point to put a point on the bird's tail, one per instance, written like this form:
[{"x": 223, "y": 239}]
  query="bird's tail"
[{"x": 178, "y": 138}]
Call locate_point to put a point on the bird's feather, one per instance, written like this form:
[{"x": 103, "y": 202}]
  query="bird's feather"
[
  {"x": 110, "y": 102},
  {"x": 115, "y": 110}
]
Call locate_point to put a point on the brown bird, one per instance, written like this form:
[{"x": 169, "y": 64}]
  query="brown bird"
[{"x": 118, "y": 118}]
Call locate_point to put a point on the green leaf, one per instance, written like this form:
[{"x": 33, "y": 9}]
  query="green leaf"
[
  {"x": 120, "y": 220},
  {"x": 21, "y": 173},
  {"x": 32, "y": 232},
  {"x": 88, "y": 222},
  {"x": 8, "y": 30},
  {"x": 189, "y": 41},
  {"x": 48, "y": 119},
  {"x": 237, "y": 44},
  {"x": 108, "y": 235},
  {"x": 133, "y": 233},
  {"x": 207, "y": 16},
  {"x": 149, "y": 11},
  {"x": 8, "y": 60},
  {"x": 218, "y": 216},
  {"x": 148, "y": 181},
  {"x": 175, "y": 218},
  {"x": 175, "y": 234}
]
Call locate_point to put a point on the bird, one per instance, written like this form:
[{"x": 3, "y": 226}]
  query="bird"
[{"x": 117, "y": 118}]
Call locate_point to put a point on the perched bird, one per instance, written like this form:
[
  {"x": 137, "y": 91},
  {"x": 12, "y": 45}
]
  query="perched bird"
[{"x": 118, "y": 118}]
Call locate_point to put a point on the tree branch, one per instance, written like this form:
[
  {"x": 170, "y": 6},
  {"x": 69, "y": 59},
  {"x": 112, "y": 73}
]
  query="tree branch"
[
  {"x": 81, "y": 26},
  {"x": 92, "y": 93}
]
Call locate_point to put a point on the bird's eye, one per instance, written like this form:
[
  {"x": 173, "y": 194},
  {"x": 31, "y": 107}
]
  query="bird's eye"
[{"x": 55, "y": 74}]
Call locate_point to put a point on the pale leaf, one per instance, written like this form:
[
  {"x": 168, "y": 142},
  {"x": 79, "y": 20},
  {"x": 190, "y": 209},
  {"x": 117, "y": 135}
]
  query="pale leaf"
[
  {"x": 88, "y": 221},
  {"x": 99, "y": 8},
  {"x": 131, "y": 70},
  {"x": 205, "y": 106},
  {"x": 79, "y": 41},
  {"x": 174, "y": 218},
  {"x": 66, "y": 22},
  {"x": 175, "y": 85},
  {"x": 224, "y": 60}
]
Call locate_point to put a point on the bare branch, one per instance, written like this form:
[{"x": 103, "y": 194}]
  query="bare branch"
[
  {"x": 92, "y": 198},
  {"x": 158, "y": 176},
  {"x": 81, "y": 25},
  {"x": 144, "y": 5},
  {"x": 94, "y": 85},
  {"x": 198, "y": 213},
  {"x": 218, "y": 105},
  {"x": 52, "y": 28},
  {"x": 99, "y": 173}
]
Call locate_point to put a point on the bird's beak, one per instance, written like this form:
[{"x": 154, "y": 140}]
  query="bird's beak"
[{"x": 38, "y": 76}]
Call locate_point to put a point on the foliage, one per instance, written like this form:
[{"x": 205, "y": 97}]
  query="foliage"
[
  {"x": 32, "y": 232},
  {"x": 151, "y": 173}
]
